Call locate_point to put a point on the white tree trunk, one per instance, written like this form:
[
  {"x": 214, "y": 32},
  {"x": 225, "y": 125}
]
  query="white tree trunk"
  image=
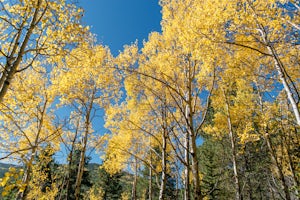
[
  {"x": 238, "y": 195},
  {"x": 279, "y": 67}
]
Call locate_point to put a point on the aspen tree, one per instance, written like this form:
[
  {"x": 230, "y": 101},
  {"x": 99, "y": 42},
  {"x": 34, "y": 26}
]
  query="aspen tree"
[
  {"x": 85, "y": 80},
  {"x": 35, "y": 30},
  {"x": 28, "y": 121}
]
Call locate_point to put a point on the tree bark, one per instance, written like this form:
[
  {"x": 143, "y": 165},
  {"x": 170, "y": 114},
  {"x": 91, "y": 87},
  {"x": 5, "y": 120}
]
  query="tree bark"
[
  {"x": 68, "y": 186},
  {"x": 238, "y": 195},
  {"x": 191, "y": 134},
  {"x": 286, "y": 144},
  {"x": 248, "y": 168},
  {"x": 187, "y": 194},
  {"x": 164, "y": 164},
  {"x": 195, "y": 169},
  {"x": 279, "y": 67},
  {"x": 81, "y": 167}
]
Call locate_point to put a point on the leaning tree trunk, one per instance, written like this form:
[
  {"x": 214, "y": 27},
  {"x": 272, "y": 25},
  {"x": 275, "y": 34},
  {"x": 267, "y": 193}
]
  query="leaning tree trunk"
[{"x": 282, "y": 74}]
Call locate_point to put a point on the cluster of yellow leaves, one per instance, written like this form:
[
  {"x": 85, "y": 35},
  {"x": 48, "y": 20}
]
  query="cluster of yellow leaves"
[
  {"x": 127, "y": 57},
  {"x": 236, "y": 91},
  {"x": 11, "y": 180},
  {"x": 38, "y": 177},
  {"x": 132, "y": 125},
  {"x": 125, "y": 196},
  {"x": 86, "y": 69},
  {"x": 94, "y": 194}
]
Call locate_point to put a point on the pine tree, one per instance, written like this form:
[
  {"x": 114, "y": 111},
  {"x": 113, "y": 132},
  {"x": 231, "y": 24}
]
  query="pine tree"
[
  {"x": 110, "y": 184},
  {"x": 68, "y": 189},
  {"x": 214, "y": 162}
]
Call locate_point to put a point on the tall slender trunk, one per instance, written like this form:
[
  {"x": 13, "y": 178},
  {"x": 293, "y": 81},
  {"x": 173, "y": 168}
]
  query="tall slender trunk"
[
  {"x": 190, "y": 123},
  {"x": 164, "y": 164},
  {"x": 68, "y": 185},
  {"x": 81, "y": 166},
  {"x": 150, "y": 174},
  {"x": 190, "y": 140},
  {"x": 150, "y": 183},
  {"x": 287, "y": 141},
  {"x": 291, "y": 164},
  {"x": 195, "y": 169},
  {"x": 248, "y": 169},
  {"x": 134, "y": 183},
  {"x": 84, "y": 143},
  {"x": 238, "y": 195},
  {"x": 187, "y": 195}
]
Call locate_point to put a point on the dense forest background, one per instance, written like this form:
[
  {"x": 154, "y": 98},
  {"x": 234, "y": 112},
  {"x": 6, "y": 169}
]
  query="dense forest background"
[{"x": 208, "y": 108}]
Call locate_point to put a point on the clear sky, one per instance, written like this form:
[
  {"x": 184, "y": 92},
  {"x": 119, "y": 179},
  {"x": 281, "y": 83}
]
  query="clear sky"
[{"x": 120, "y": 22}]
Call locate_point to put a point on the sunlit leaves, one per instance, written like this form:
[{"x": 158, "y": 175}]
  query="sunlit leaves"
[{"x": 12, "y": 180}]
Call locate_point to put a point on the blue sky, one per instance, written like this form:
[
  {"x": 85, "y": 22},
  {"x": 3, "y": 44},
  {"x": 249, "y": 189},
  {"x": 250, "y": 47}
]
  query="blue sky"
[{"x": 120, "y": 22}]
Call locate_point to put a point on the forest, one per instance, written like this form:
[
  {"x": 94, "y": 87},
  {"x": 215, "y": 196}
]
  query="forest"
[{"x": 206, "y": 109}]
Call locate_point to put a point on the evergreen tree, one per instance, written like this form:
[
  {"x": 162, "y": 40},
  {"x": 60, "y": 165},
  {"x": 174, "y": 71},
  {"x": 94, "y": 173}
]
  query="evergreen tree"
[
  {"x": 110, "y": 185},
  {"x": 69, "y": 178},
  {"x": 256, "y": 171},
  {"x": 215, "y": 167}
]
